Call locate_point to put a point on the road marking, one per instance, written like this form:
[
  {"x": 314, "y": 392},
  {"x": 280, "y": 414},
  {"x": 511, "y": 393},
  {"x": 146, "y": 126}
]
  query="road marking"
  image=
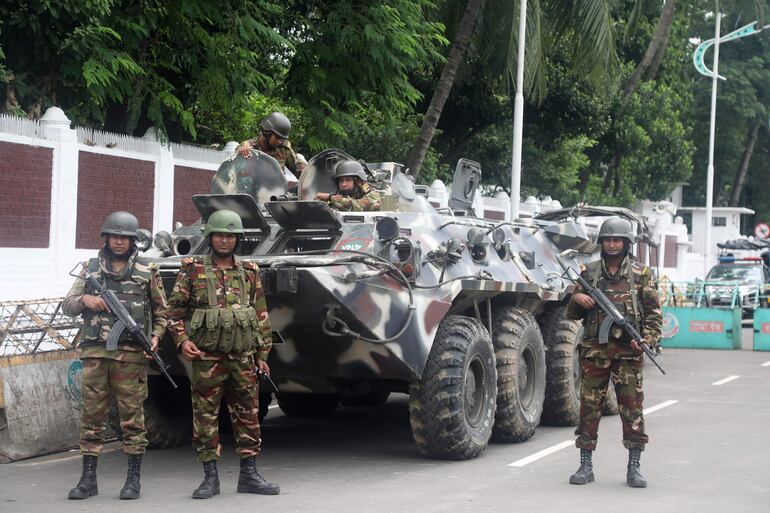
[
  {"x": 571, "y": 443},
  {"x": 272, "y": 406},
  {"x": 542, "y": 454},
  {"x": 725, "y": 380},
  {"x": 766, "y": 364},
  {"x": 664, "y": 404}
]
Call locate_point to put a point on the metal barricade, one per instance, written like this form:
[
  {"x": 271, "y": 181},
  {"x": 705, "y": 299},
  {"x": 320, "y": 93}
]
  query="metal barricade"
[
  {"x": 701, "y": 315},
  {"x": 761, "y": 325}
]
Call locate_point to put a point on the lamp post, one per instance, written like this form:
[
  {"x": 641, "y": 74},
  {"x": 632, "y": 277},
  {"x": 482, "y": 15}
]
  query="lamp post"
[
  {"x": 698, "y": 60},
  {"x": 518, "y": 113}
]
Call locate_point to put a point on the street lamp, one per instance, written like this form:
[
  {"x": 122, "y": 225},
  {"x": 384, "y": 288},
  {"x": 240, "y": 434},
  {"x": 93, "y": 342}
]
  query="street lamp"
[{"x": 518, "y": 113}]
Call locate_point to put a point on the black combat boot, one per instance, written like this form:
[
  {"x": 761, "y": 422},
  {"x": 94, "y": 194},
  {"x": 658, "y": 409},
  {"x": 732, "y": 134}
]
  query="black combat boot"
[
  {"x": 131, "y": 488},
  {"x": 585, "y": 474},
  {"x": 210, "y": 484},
  {"x": 87, "y": 485},
  {"x": 249, "y": 480},
  {"x": 634, "y": 478}
]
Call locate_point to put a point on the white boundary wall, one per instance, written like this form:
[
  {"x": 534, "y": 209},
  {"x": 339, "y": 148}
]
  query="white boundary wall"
[{"x": 31, "y": 273}]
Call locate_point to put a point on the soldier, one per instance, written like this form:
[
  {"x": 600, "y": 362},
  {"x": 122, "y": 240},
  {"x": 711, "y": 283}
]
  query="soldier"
[
  {"x": 273, "y": 139},
  {"x": 223, "y": 301},
  {"x": 629, "y": 285},
  {"x": 353, "y": 193},
  {"x": 121, "y": 373}
]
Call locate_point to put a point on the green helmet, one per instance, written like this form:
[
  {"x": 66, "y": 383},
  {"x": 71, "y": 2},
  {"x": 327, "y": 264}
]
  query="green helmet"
[
  {"x": 277, "y": 123},
  {"x": 349, "y": 168},
  {"x": 617, "y": 227},
  {"x": 223, "y": 221},
  {"x": 120, "y": 223}
]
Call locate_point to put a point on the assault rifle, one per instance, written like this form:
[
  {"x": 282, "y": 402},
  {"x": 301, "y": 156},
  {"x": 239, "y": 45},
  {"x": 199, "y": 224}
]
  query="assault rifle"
[
  {"x": 613, "y": 316},
  {"x": 125, "y": 321}
]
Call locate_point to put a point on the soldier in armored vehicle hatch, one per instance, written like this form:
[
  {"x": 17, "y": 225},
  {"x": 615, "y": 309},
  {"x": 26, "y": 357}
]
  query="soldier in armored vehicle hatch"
[
  {"x": 353, "y": 193},
  {"x": 273, "y": 139},
  {"x": 218, "y": 319}
]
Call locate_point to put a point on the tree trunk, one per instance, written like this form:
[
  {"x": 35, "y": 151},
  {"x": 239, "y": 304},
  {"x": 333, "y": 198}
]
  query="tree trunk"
[
  {"x": 654, "y": 53},
  {"x": 443, "y": 87},
  {"x": 740, "y": 177}
]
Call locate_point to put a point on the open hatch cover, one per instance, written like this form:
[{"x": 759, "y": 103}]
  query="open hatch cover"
[
  {"x": 242, "y": 204},
  {"x": 303, "y": 215}
]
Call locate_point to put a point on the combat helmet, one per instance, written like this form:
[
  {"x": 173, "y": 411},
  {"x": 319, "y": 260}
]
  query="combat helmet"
[
  {"x": 617, "y": 227},
  {"x": 349, "y": 168},
  {"x": 120, "y": 223},
  {"x": 277, "y": 123},
  {"x": 223, "y": 221}
]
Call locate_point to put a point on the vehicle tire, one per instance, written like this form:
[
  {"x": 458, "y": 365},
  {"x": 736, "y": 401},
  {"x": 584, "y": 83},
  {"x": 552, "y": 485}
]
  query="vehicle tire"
[
  {"x": 520, "y": 357},
  {"x": 168, "y": 413},
  {"x": 368, "y": 400},
  {"x": 308, "y": 405},
  {"x": 451, "y": 409},
  {"x": 562, "y": 362}
]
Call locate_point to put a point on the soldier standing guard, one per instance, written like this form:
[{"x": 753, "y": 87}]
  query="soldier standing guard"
[
  {"x": 353, "y": 193},
  {"x": 223, "y": 302},
  {"x": 120, "y": 373},
  {"x": 630, "y": 287}
]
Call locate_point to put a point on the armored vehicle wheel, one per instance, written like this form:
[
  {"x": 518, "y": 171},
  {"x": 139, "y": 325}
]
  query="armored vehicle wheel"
[
  {"x": 308, "y": 405},
  {"x": 562, "y": 363},
  {"x": 168, "y": 413},
  {"x": 611, "y": 402},
  {"x": 373, "y": 398},
  {"x": 451, "y": 408},
  {"x": 520, "y": 373}
]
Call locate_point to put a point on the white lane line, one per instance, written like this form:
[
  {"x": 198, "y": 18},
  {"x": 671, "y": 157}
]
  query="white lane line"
[
  {"x": 272, "y": 406},
  {"x": 766, "y": 364},
  {"x": 542, "y": 454},
  {"x": 725, "y": 380},
  {"x": 571, "y": 443},
  {"x": 664, "y": 404}
]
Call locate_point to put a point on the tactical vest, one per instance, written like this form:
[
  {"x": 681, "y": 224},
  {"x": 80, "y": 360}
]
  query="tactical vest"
[
  {"x": 624, "y": 294},
  {"x": 224, "y": 329},
  {"x": 132, "y": 292}
]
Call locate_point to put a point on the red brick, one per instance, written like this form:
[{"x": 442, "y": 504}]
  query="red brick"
[{"x": 189, "y": 181}]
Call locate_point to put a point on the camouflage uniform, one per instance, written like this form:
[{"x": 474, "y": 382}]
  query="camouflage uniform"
[
  {"x": 227, "y": 319},
  {"x": 283, "y": 153},
  {"x": 632, "y": 291},
  {"x": 364, "y": 198},
  {"x": 121, "y": 373}
]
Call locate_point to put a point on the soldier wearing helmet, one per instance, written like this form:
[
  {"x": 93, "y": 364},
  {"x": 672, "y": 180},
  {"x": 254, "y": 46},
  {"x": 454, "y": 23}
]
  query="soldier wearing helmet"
[
  {"x": 630, "y": 287},
  {"x": 218, "y": 319},
  {"x": 273, "y": 139},
  {"x": 121, "y": 373},
  {"x": 353, "y": 193}
]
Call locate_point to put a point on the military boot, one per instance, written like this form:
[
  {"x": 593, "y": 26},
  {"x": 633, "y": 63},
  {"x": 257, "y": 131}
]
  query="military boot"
[
  {"x": 585, "y": 474},
  {"x": 210, "y": 484},
  {"x": 634, "y": 478},
  {"x": 249, "y": 480},
  {"x": 131, "y": 488},
  {"x": 87, "y": 485}
]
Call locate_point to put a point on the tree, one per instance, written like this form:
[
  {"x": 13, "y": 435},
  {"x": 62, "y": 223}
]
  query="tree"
[{"x": 587, "y": 23}]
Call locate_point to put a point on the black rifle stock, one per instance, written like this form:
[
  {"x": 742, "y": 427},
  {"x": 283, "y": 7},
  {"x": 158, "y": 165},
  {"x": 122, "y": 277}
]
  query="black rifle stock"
[
  {"x": 125, "y": 322},
  {"x": 613, "y": 316}
]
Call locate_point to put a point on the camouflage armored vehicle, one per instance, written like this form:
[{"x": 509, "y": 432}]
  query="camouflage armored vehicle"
[{"x": 464, "y": 314}]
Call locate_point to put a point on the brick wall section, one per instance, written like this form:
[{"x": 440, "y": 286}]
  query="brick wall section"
[
  {"x": 25, "y": 195},
  {"x": 189, "y": 181},
  {"x": 106, "y": 184}
]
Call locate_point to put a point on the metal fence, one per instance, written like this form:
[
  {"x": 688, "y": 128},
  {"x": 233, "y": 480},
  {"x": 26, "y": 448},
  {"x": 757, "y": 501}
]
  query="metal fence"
[{"x": 35, "y": 326}]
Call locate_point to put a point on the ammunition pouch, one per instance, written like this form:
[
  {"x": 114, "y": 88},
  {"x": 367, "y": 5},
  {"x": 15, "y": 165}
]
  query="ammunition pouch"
[{"x": 224, "y": 330}]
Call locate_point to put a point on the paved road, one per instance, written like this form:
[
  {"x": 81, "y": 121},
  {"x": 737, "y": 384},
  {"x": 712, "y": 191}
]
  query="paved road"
[{"x": 709, "y": 451}]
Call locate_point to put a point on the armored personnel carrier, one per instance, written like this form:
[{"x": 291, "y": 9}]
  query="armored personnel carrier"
[{"x": 464, "y": 314}]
